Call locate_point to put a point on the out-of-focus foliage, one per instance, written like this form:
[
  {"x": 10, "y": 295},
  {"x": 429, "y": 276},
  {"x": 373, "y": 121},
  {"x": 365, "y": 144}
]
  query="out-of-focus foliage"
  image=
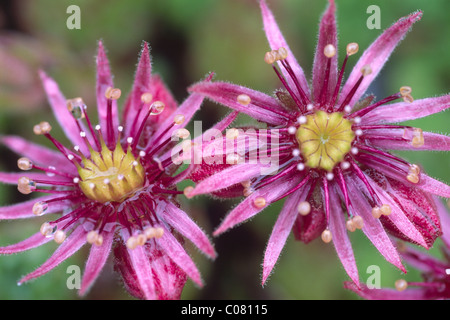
[{"x": 189, "y": 39}]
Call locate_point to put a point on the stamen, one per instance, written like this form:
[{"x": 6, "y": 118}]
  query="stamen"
[
  {"x": 326, "y": 236},
  {"x": 151, "y": 232},
  {"x": 232, "y": 134},
  {"x": 25, "y": 185},
  {"x": 259, "y": 202},
  {"x": 386, "y": 209},
  {"x": 59, "y": 236},
  {"x": 24, "y": 164},
  {"x": 178, "y": 119},
  {"x": 146, "y": 98},
  {"x": 75, "y": 107},
  {"x": 157, "y": 107},
  {"x": 329, "y": 51},
  {"x": 39, "y": 208},
  {"x": 42, "y": 128},
  {"x": 47, "y": 229},
  {"x": 350, "y": 225},
  {"x": 132, "y": 242},
  {"x": 187, "y": 191},
  {"x": 365, "y": 71},
  {"x": 304, "y": 208},
  {"x": 352, "y": 48},
  {"x": 406, "y": 94},
  {"x": 182, "y": 133},
  {"x": 358, "y": 222},
  {"x": 376, "y": 212},
  {"x": 401, "y": 284},
  {"x": 113, "y": 93},
  {"x": 233, "y": 158},
  {"x": 243, "y": 99},
  {"x": 270, "y": 57}
]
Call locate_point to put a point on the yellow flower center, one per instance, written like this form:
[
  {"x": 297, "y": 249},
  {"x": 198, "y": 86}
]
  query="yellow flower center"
[
  {"x": 324, "y": 139},
  {"x": 111, "y": 175}
]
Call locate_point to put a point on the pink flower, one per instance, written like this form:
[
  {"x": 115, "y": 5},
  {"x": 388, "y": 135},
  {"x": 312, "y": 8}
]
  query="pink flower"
[
  {"x": 116, "y": 188},
  {"x": 335, "y": 170},
  {"x": 435, "y": 272}
]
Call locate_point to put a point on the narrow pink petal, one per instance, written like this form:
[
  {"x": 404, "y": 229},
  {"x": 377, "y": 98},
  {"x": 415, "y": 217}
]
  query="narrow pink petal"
[
  {"x": 390, "y": 139},
  {"x": 104, "y": 81},
  {"x": 170, "y": 245},
  {"x": 444, "y": 215},
  {"x": 426, "y": 183},
  {"x": 62, "y": 114},
  {"x": 403, "y": 111},
  {"x": 397, "y": 216},
  {"x": 38, "y": 154},
  {"x": 25, "y": 209},
  {"x": 182, "y": 223},
  {"x": 227, "y": 178},
  {"x": 276, "y": 41},
  {"x": 13, "y": 177},
  {"x": 141, "y": 85},
  {"x": 71, "y": 245},
  {"x": 281, "y": 231},
  {"x": 377, "y": 55},
  {"x": 341, "y": 241},
  {"x": 262, "y": 107},
  {"x": 246, "y": 209},
  {"x": 142, "y": 268},
  {"x": 387, "y": 294},
  {"x": 424, "y": 262},
  {"x": 34, "y": 241},
  {"x": 96, "y": 261},
  {"x": 373, "y": 228},
  {"x": 327, "y": 35}
]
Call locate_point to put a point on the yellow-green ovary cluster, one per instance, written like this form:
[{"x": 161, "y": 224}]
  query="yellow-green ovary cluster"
[
  {"x": 325, "y": 139},
  {"x": 111, "y": 176}
]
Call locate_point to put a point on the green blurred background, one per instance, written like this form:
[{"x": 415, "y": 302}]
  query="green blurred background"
[{"x": 188, "y": 39}]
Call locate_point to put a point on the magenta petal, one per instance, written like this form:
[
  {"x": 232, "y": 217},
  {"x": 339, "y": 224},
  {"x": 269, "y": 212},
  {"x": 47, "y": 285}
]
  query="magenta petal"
[
  {"x": 387, "y": 294},
  {"x": 276, "y": 41},
  {"x": 444, "y": 215},
  {"x": 246, "y": 209},
  {"x": 424, "y": 262},
  {"x": 104, "y": 81},
  {"x": 37, "y": 153},
  {"x": 227, "y": 178},
  {"x": 393, "y": 139},
  {"x": 141, "y": 85},
  {"x": 340, "y": 239},
  {"x": 176, "y": 252},
  {"x": 71, "y": 245},
  {"x": 262, "y": 107},
  {"x": 142, "y": 268},
  {"x": 97, "y": 259},
  {"x": 25, "y": 209},
  {"x": 403, "y": 111},
  {"x": 182, "y": 223},
  {"x": 373, "y": 228},
  {"x": 376, "y": 56},
  {"x": 397, "y": 216},
  {"x": 281, "y": 231},
  {"x": 160, "y": 92},
  {"x": 327, "y": 35},
  {"x": 34, "y": 241},
  {"x": 62, "y": 114}
]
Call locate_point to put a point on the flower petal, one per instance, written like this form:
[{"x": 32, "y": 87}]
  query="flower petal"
[
  {"x": 403, "y": 111},
  {"x": 281, "y": 231},
  {"x": 141, "y": 85},
  {"x": 62, "y": 114},
  {"x": 376, "y": 56},
  {"x": 393, "y": 139},
  {"x": 97, "y": 259},
  {"x": 341, "y": 241},
  {"x": 160, "y": 92},
  {"x": 373, "y": 228},
  {"x": 142, "y": 268},
  {"x": 182, "y": 223},
  {"x": 327, "y": 35},
  {"x": 34, "y": 241},
  {"x": 387, "y": 294},
  {"x": 261, "y": 107},
  {"x": 13, "y": 177},
  {"x": 170, "y": 245},
  {"x": 444, "y": 215},
  {"x": 25, "y": 209},
  {"x": 276, "y": 41},
  {"x": 37, "y": 153},
  {"x": 104, "y": 81},
  {"x": 71, "y": 245},
  {"x": 246, "y": 209}
]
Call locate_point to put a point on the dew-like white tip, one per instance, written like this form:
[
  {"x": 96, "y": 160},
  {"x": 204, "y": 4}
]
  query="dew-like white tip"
[{"x": 98, "y": 127}]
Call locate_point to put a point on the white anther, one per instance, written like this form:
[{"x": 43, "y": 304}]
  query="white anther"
[
  {"x": 354, "y": 150},
  {"x": 301, "y": 119},
  {"x": 330, "y": 176},
  {"x": 292, "y": 130},
  {"x": 300, "y": 166}
]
